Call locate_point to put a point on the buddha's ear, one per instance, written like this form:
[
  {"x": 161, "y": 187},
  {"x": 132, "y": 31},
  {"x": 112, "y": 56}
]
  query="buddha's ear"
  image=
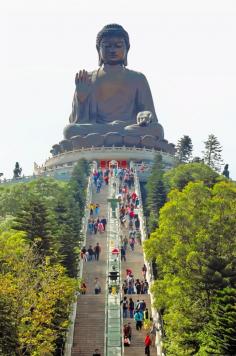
[
  {"x": 100, "y": 61},
  {"x": 125, "y": 60}
]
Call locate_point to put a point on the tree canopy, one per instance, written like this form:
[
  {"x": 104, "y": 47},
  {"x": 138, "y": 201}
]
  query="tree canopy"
[
  {"x": 194, "y": 249},
  {"x": 40, "y": 225},
  {"x": 181, "y": 175}
]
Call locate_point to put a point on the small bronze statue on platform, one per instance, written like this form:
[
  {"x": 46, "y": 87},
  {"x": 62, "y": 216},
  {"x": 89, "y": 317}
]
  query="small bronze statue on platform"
[{"x": 17, "y": 171}]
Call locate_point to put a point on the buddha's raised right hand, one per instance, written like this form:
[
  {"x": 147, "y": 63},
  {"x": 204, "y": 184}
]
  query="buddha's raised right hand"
[{"x": 83, "y": 85}]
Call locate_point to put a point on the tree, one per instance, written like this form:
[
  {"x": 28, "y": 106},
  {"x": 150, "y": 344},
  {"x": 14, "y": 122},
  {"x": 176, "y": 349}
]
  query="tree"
[
  {"x": 219, "y": 335},
  {"x": 35, "y": 299},
  {"x": 184, "y": 149},
  {"x": 181, "y": 175},
  {"x": 212, "y": 153},
  {"x": 78, "y": 182},
  {"x": 33, "y": 219},
  {"x": 156, "y": 192},
  {"x": 65, "y": 226},
  {"x": 194, "y": 250},
  {"x": 37, "y": 260}
]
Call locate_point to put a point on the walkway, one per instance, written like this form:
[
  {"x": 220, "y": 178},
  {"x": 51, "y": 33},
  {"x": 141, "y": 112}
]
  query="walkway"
[{"x": 90, "y": 318}]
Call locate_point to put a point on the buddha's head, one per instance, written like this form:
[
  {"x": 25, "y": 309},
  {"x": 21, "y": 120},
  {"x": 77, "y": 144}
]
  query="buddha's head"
[{"x": 112, "y": 45}]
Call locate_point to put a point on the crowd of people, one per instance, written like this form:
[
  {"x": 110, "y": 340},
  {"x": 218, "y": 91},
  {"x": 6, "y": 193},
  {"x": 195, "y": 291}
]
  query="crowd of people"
[
  {"x": 131, "y": 236},
  {"x": 135, "y": 286},
  {"x": 91, "y": 253}
]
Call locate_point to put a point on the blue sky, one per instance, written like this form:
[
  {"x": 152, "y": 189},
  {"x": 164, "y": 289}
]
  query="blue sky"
[{"x": 185, "y": 48}]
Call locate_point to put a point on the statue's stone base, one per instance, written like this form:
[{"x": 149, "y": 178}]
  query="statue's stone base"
[
  {"x": 112, "y": 139},
  {"x": 61, "y": 165}
]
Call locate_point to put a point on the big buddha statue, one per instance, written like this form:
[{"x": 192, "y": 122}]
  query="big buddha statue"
[{"x": 113, "y": 104}]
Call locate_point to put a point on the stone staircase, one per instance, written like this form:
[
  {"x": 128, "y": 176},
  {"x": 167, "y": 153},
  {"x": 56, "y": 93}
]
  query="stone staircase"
[
  {"x": 89, "y": 328},
  {"x": 90, "y": 318},
  {"x": 89, "y": 325}
]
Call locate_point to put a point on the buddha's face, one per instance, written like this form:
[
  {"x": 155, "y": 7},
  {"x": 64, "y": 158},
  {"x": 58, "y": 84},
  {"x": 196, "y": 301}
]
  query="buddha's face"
[{"x": 113, "y": 50}]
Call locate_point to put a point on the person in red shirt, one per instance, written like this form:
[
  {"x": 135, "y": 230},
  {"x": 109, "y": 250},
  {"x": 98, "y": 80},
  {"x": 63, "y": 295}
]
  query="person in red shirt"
[
  {"x": 128, "y": 272},
  {"x": 147, "y": 343},
  {"x": 133, "y": 196}
]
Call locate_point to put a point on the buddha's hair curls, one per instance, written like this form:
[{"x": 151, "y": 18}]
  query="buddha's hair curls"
[{"x": 112, "y": 30}]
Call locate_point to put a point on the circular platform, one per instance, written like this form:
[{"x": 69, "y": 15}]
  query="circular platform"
[{"x": 68, "y": 159}]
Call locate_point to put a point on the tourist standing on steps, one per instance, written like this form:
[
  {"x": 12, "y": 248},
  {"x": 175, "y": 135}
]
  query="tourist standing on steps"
[
  {"x": 104, "y": 222},
  {"x": 90, "y": 226},
  {"x": 131, "y": 308},
  {"x": 138, "y": 317},
  {"x": 144, "y": 271},
  {"x": 125, "y": 307},
  {"x": 90, "y": 253},
  {"x": 148, "y": 343},
  {"x": 97, "y": 250},
  {"x": 125, "y": 242},
  {"x": 97, "y": 287},
  {"x": 146, "y": 314},
  {"x": 95, "y": 227},
  {"x": 129, "y": 331},
  {"x": 99, "y": 185},
  {"x": 100, "y": 227},
  {"x": 96, "y": 353},
  {"x": 123, "y": 254},
  {"x": 83, "y": 288},
  {"x": 97, "y": 210}
]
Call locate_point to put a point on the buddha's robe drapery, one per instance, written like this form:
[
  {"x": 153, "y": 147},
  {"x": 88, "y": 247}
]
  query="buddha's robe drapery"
[{"x": 117, "y": 93}]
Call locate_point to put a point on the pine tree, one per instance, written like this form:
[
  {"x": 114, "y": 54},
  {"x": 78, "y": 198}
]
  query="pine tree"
[
  {"x": 212, "y": 153},
  {"x": 78, "y": 182},
  {"x": 33, "y": 219},
  {"x": 184, "y": 149},
  {"x": 219, "y": 336},
  {"x": 66, "y": 225},
  {"x": 156, "y": 192}
]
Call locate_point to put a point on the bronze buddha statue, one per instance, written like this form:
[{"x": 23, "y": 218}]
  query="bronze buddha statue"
[
  {"x": 112, "y": 105},
  {"x": 112, "y": 99}
]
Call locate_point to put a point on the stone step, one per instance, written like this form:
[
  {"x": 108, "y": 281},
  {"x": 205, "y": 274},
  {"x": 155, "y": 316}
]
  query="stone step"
[{"x": 136, "y": 351}]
